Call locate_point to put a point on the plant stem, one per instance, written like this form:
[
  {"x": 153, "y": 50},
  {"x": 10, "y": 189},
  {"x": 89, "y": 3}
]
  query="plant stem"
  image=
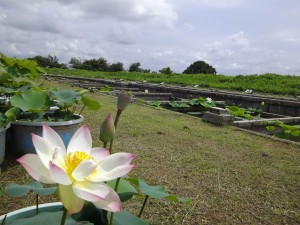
[
  {"x": 116, "y": 188},
  {"x": 117, "y": 118},
  {"x": 37, "y": 203},
  {"x": 111, "y": 146},
  {"x": 104, "y": 217},
  {"x": 81, "y": 110},
  {"x": 117, "y": 184},
  {"x": 143, "y": 206},
  {"x": 111, "y": 218},
  {"x": 104, "y": 144},
  {"x": 64, "y": 216}
]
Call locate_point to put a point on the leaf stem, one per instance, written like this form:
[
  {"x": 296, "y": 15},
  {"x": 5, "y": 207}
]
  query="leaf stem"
[
  {"x": 117, "y": 118},
  {"x": 143, "y": 206},
  {"x": 104, "y": 144},
  {"x": 81, "y": 110},
  {"x": 111, "y": 218},
  {"x": 64, "y": 216},
  {"x": 104, "y": 217},
  {"x": 37, "y": 203},
  {"x": 111, "y": 146},
  {"x": 117, "y": 184},
  {"x": 116, "y": 188}
]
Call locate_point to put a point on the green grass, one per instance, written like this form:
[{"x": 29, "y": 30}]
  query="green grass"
[
  {"x": 266, "y": 83},
  {"x": 231, "y": 177}
]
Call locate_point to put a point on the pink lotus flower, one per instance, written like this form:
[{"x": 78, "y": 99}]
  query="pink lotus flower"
[{"x": 80, "y": 170}]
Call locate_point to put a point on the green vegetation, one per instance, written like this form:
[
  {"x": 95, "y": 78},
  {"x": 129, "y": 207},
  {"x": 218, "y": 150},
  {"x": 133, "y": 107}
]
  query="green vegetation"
[
  {"x": 154, "y": 103},
  {"x": 249, "y": 113},
  {"x": 266, "y": 83},
  {"x": 282, "y": 130},
  {"x": 231, "y": 177}
]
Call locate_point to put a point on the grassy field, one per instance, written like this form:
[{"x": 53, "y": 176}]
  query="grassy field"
[
  {"x": 231, "y": 177},
  {"x": 265, "y": 83}
]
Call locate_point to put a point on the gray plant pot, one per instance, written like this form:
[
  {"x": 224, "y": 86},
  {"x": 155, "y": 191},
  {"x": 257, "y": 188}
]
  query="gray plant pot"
[
  {"x": 2, "y": 143},
  {"x": 31, "y": 211},
  {"x": 20, "y": 133}
]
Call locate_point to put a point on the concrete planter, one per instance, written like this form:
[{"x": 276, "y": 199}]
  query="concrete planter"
[
  {"x": 20, "y": 133},
  {"x": 2, "y": 143}
]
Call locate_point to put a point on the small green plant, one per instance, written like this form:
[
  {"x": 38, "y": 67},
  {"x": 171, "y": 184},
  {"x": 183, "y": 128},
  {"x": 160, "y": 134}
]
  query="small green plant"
[
  {"x": 249, "y": 113},
  {"x": 154, "y": 103},
  {"x": 282, "y": 130},
  {"x": 175, "y": 104},
  {"x": 205, "y": 102},
  {"x": 106, "y": 88}
]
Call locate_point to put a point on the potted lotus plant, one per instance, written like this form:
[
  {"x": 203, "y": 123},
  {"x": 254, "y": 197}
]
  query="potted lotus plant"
[
  {"x": 32, "y": 105},
  {"x": 54, "y": 107},
  {"x": 91, "y": 183}
]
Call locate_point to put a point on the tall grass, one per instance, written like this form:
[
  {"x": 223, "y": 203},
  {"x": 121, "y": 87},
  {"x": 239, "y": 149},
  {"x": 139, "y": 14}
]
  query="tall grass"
[{"x": 265, "y": 83}]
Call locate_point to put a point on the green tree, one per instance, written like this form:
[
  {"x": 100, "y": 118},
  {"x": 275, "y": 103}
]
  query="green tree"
[
  {"x": 95, "y": 64},
  {"x": 135, "y": 67},
  {"x": 200, "y": 67},
  {"x": 116, "y": 67},
  {"x": 76, "y": 63},
  {"x": 49, "y": 62},
  {"x": 166, "y": 70}
]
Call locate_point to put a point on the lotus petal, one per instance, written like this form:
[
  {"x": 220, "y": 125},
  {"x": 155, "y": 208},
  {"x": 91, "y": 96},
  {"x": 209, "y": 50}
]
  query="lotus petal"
[
  {"x": 111, "y": 203},
  {"x": 53, "y": 137},
  {"x": 59, "y": 175},
  {"x": 91, "y": 191},
  {"x": 43, "y": 148},
  {"x": 69, "y": 199},
  {"x": 81, "y": 141},
  {"x": 34, "y": 166},
  {"x": 99, "y": 153},
  {"x": 84, "y": 169}
]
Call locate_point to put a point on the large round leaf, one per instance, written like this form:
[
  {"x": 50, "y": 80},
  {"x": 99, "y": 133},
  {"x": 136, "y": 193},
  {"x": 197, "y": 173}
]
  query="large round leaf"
[
  {"x": 31, "y": 101},
  {"x": 65, "y": 98}
]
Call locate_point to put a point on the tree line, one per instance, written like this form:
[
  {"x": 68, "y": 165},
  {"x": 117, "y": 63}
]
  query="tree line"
[{"x": 101, "y": 64}]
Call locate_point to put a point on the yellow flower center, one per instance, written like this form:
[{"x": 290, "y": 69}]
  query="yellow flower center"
[{"x": 73, "y": 159}]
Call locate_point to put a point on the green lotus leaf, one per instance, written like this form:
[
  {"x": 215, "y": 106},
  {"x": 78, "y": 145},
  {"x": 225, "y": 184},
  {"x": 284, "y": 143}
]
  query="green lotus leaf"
[
  {"x": 12, "y": 113},
  {"x": 91, "y": 104},
  {"x": 16, "y": 190},
  {"x": 31, "y": 101},
  {"x": 125, "y": 189},
  {"x": 65, "y": 98},
  {"x": 126, "y": 218},
  {"x": 157, "y": 192}
]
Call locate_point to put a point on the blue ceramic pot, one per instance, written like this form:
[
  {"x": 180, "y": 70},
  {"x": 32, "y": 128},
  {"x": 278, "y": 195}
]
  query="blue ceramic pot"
[{"x": 20, "y": 140}]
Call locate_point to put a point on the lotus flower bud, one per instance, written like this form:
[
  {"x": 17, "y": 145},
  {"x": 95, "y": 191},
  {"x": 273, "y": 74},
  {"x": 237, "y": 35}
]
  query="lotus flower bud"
[
  {"x": 107, "y": 129},
  {"x": 124, "y": 98}
]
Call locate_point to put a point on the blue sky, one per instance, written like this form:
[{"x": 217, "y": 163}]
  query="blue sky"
[{"x": 234, "y": 36}]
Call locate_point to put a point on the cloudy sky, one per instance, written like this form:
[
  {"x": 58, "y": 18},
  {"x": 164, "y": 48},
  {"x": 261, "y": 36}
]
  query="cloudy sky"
[{"x": 234, "y": 36}]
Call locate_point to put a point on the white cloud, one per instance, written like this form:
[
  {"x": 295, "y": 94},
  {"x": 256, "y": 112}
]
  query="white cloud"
[
  {"x": 239, "y": 39},
  {"x": 161, "y": 54},
  {"x": 189, "y": 26},
  {"x": 124, "y": 33},
  {"x": 220, "y": 3},
  {"x": 158, "y": 33},
  {"x": 212, "y": 3}
]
